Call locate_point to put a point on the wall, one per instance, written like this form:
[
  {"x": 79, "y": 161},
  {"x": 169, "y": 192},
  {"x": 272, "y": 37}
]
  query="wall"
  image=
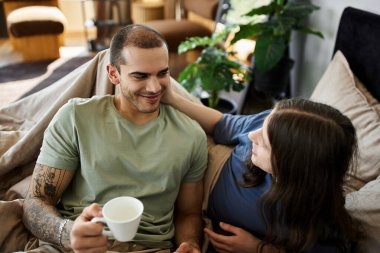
[
  {"x": 76, "y": 12},
  {"x": 313, "y": 54}
]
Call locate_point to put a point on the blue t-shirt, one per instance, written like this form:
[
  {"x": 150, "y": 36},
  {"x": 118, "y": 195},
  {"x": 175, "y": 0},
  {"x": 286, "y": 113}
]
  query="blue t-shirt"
[{"x": 229, "y": 202}]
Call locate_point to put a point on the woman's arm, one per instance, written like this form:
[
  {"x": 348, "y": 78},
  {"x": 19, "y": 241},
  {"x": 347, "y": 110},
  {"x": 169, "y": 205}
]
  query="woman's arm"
[{"x": 205, "y": 116}]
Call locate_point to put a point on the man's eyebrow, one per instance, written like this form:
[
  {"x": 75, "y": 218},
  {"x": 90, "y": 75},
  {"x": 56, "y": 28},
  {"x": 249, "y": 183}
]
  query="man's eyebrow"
[
  {"x": 138, "y": 73},
  {"x": 164, "y": 70},
  {"x": 145, "y": 73}
]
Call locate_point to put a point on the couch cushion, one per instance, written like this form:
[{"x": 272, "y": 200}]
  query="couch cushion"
[
  {"x": 36, "y": 20},
  {"x": 339, "y": 88},
  {"x": 364, "y": 206}
]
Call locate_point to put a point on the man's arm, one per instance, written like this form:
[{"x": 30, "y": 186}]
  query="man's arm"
[
  {"x": 40, "y": 215},
  {"x": 187, "y": 217}
]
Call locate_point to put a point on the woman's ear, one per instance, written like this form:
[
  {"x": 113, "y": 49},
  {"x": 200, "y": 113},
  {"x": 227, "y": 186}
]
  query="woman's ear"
[{"x": 113, "y": 74}]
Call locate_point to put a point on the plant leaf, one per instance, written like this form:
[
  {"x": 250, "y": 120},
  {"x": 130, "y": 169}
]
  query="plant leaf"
[
  {"x": 188, "y": 77},
  {"x": 192, "y": 43},
  {"x": 249, "y": 31},
  {"x": 187, "y": 72},
  {"x": 282, "y": 25},
  {"x": 308, "y": 30},
  {"x": 299, "y": 9},
  {"x": 263, "y": 10},
  {"x": 269, "y": 51}
]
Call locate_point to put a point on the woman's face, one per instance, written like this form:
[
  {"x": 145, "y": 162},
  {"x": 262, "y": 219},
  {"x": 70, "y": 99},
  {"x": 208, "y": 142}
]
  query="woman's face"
[{"x": 261, "y": 149}]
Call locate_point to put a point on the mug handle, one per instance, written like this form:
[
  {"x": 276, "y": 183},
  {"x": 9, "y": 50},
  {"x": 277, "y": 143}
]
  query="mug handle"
[{"x": 102, "y": 220}]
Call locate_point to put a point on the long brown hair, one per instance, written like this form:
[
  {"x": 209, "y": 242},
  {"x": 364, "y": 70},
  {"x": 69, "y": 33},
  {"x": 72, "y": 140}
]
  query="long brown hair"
[{"x": 313, "y": 147}]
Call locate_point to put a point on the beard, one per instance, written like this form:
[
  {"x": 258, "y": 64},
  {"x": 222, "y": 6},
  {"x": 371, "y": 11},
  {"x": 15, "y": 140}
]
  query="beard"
[{"x": 144, "y": 102}]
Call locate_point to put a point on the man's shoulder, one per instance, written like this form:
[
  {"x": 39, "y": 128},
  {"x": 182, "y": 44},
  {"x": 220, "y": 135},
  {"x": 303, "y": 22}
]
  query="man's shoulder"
[
  {"x": 76, "y": 106},
  {"x": 83, "y": 102},
  {"x": 184, "y": 121}
]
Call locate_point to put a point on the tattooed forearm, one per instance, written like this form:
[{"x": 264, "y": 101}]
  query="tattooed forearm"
[
  {"x": 42, "y": 220},
  {"x": 40, "y": 215}
]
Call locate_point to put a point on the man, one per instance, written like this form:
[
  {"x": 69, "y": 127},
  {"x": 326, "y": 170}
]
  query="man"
[{"x": 128, "y": 144}]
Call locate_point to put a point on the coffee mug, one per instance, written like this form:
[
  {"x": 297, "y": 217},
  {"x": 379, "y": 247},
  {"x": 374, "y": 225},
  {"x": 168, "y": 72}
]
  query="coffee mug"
[{"x": 122, "y": 215}]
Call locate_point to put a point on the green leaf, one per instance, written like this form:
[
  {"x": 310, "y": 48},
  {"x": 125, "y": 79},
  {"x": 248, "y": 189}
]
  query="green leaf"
[
  {"x": 263, "y": 10},
  {"x": 308, "y": 30},
  {"x": 299, "y": 9},
  {"x": 282, "y": 25},
  {"x": 218, "y": 37},
  {"x": 248, "y": 31},
  {"x": 187, "y": 72},
  {"x": 268, "y": 51},
  {"x": 192, "y": 43},
  {"x": 188, "y": 77}
]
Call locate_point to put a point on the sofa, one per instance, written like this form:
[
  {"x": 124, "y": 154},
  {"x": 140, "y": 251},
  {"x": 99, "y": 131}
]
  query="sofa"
[{"x": 23, "y": 122}]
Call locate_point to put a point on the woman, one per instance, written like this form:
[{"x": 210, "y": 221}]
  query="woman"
[{"x": 289, "y": 198}]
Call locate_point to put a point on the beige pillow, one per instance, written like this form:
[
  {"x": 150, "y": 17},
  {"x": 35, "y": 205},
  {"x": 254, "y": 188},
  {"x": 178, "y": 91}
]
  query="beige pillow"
[
  {"x": 339, "y": 88},
  {"x": 364, "y": 205}
]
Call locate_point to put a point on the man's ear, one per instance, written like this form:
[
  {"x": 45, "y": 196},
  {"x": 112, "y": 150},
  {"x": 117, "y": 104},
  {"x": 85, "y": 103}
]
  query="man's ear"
[{"x": 113, "y": 74}]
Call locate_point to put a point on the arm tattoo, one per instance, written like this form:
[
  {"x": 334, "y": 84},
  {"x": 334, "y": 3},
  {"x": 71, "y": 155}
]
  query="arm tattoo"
[
  {"x": 48, "y": 181},
  {"x": 40, "y": 215}
]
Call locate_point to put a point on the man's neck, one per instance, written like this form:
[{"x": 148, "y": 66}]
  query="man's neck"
[{"x": 133, "y": 115}]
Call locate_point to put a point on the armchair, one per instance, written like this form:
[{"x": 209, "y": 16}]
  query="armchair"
[{"x": 198, "y": 21}]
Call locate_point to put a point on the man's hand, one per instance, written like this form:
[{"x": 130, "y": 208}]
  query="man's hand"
[
  {"x": 186, "y": 247},
  {"x": 241, "y": 241},
  {"x": 87, "y": 236}
]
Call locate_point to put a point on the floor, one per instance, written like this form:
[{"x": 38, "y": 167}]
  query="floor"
[{"x": 75, "y": 45}]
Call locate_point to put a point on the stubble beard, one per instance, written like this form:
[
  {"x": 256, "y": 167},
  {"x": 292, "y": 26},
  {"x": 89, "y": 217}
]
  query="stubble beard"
[{"x": 133, "y": 99}]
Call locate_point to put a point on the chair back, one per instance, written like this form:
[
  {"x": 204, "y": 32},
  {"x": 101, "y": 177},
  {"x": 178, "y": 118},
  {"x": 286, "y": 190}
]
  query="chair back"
[
  {"x": 358, "y": 38},
  {"x": 204, "y": 8}
]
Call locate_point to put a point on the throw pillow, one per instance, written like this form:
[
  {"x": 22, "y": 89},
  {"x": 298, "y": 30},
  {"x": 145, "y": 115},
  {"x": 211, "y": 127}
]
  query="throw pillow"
[{"x": 339, "y": 88}]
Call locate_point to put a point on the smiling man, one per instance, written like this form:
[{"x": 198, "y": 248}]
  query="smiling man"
[{"x": 128, "y": 144}]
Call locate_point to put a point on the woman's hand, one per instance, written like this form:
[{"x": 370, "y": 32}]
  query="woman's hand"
[
  {"x": 241, "y": 241},
  {"x": 168, "y": 96}
]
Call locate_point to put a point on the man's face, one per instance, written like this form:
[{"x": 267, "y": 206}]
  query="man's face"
[{"x": 143, "y": 78}]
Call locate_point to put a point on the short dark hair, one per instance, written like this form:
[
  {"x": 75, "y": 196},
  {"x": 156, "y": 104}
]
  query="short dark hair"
[{"x": 134, "y": 35}]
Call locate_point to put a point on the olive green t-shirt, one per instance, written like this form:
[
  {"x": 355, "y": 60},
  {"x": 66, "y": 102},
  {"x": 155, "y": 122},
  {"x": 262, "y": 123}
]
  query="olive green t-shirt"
[{"x": 114, "y": 157}]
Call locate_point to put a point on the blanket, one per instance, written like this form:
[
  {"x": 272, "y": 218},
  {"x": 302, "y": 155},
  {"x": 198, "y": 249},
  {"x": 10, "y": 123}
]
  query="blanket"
[{"x": 23, "y": 122}]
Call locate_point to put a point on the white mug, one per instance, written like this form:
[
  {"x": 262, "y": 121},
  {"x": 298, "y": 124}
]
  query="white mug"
[{"x": 122, "y": 215}]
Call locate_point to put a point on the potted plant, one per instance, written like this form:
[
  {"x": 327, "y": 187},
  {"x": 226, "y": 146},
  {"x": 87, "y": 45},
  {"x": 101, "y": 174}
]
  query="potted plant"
[
  {"x": 273, "y": 37},
  {"x": 214, "y": 70}
]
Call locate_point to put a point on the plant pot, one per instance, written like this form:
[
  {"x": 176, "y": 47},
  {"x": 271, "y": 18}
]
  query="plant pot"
[
  {"x": 225, "y": 105},
  {"x": 274, "y": 82}
]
